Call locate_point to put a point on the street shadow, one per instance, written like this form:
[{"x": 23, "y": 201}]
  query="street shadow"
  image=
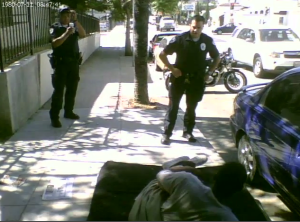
[{"x": 218, "y": 132}]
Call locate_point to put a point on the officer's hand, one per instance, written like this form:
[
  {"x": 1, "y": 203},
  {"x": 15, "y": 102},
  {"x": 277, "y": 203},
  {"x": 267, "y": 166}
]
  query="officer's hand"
[
  {"x": 73, "y": 15},
  {"x": 176, "y": 72},
  {"x": 70, "y": 30}
]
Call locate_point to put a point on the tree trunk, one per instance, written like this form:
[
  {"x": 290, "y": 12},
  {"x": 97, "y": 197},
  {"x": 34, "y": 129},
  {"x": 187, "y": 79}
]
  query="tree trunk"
[
  {"x": 141, "y": 16},
  {"x": 128, "y": 50}
]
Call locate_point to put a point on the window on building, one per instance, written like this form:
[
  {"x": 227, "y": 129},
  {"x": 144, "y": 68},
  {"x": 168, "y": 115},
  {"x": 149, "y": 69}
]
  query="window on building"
[
  {"x": 281, "y": 21},
  {"x": 256, "y": 12}
]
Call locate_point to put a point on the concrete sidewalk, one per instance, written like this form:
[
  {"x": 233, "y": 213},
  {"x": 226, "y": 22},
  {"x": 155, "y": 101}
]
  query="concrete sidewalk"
[{"x": 108, "y": 130}]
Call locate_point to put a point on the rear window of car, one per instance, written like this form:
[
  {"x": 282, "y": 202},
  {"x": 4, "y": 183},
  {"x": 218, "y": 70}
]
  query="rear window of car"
[
  {"x": 160, "y": 37},
  {"x": 278, "y": 35},
  {"x": 167, "y": 19}
]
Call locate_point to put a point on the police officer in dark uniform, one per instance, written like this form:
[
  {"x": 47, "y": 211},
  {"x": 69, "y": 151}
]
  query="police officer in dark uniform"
[
  {"x": 65, "y": 61},
  {"x": 188, "y": 75}
]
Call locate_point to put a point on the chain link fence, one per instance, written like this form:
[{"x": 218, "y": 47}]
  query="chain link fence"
[{"x": 24, "y": 28}]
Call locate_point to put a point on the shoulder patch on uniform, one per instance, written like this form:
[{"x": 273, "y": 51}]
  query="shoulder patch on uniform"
[
  {"x": 203, "y": 46},
  {"x": 51, "y": 30},
  {"x": 173, "y": 40}
]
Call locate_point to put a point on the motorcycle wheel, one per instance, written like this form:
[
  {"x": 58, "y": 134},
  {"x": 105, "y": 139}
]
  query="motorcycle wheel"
[
  {"x": 167, "y": 82},
  {"x": 234, "y": 81}
]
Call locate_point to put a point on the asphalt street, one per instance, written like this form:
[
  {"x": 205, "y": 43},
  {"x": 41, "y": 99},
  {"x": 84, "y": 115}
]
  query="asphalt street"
[{"x": 213, "y": 114}]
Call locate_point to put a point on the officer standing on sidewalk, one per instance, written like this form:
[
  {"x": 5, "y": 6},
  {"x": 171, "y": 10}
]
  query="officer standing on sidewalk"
[
  {"x": 65, "y": 60},
  {"x": 188, "y": 75}
]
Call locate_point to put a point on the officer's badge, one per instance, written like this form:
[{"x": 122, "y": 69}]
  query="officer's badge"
[
  {"x": 203, "y": 46},
  {"x": 51, "y": 30},
  {"x": 173, "y": 40}
]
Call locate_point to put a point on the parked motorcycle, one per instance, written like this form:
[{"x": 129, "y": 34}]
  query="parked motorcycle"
[{"x": 234, "y": 79}]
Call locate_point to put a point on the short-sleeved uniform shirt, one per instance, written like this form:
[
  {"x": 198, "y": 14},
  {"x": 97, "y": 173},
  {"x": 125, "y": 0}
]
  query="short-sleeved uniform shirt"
[
  {"x": 190, "y": 199},
  {"x": 70, "y": 47},
  {"x": 191, "y": 55}
]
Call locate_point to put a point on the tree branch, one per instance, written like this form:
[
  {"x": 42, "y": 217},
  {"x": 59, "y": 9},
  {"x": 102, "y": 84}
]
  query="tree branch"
[{"x": 125, "y": 3}]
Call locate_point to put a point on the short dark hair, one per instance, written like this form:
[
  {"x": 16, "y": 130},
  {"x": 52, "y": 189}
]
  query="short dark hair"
[
  {"x": 230, "y": 179},
  {"x": 197, "y": 18}
]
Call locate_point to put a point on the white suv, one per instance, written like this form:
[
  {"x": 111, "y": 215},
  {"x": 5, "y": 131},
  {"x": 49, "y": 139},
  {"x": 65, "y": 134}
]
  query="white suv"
[
  {"x": 167, "y": 23},
  {"x": 266, "y": 48}
]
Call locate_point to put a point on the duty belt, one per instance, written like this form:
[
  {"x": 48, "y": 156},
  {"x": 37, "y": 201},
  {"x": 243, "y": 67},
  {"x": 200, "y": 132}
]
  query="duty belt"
[
  {"x": 189, "y": 76},
  {"x": 67, "y": 59}
]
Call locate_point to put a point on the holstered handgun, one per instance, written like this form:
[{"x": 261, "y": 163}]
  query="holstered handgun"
[
  {"x": 52, "y": 60},
  {"x": 80, "y": 58}
]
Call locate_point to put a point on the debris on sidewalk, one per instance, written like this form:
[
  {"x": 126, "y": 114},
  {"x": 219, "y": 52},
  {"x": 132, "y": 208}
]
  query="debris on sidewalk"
[
  {"x": 12, "y": 181},
  {"x": 154, "y": 104},
  {"x": 59, "y": 188}
]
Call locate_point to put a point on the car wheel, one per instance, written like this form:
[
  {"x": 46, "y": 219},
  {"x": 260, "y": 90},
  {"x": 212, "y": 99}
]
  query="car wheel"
[
  {"x": 220, "y": 32},
  {"x": 258, "y": 69},
  {"x": 157, "y": 68},
  {"x": 246, "y": 157}
]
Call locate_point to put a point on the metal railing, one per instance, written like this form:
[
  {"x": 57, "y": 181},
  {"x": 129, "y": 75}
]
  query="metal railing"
[{"x": 24, "y": 28}]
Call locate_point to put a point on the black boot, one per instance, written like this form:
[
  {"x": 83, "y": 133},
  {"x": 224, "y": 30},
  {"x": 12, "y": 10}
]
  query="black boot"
[
  {"x": 190, "y": 137},
  {"x": 71, "y": 115},
  {"x": 56, "y": 123},
  {"x": 165, "y": 140}
]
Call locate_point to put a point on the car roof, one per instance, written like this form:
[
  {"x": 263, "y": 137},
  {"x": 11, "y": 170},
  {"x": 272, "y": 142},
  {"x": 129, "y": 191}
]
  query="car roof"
[
  {"x": 168, "y": 33},
  {"x": 291, "y": 71},
  {"x": 259, "y": 27}
]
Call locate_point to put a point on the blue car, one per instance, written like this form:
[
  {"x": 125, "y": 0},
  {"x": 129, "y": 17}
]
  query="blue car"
[
  {"x": 225, "y": 29},
  {"x": 266, "y": 131}
]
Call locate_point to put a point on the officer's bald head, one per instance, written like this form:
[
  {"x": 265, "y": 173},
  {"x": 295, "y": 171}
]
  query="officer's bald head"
[{"x": 196, "y": 25}]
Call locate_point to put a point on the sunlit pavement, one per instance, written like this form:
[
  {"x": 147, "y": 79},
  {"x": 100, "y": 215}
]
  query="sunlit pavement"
[{"x": 108, "y": 130}]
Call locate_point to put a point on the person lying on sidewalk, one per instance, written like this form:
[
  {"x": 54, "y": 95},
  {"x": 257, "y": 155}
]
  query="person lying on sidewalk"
[{"x": 177, "y": 194}]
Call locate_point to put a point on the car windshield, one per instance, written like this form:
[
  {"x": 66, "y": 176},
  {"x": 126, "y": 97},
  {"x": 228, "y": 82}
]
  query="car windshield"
[
  {"x": 278, "y": 35},
  {"x": 167, "y": 19},
  {"x": 160, "y": 37}
]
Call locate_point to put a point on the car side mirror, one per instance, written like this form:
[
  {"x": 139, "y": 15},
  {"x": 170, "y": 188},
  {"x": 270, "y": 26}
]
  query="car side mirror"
[
  {"x": 249, "y": 40},
  {"x": 151, "y": 42}
]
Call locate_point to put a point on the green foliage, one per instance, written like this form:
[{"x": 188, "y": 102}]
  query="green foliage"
[
  {"x": 207, "y": 14},
  {"x": 166, "y": 7},
  {"x": 198, "y": 8},
  {"x": 117, "y": 10}
]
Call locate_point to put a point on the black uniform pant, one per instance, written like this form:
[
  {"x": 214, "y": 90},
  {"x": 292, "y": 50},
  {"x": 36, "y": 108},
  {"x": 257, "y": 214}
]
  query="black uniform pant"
[
  {"x": 194, "y": 92},
  {"x": 66, "y": 76}
]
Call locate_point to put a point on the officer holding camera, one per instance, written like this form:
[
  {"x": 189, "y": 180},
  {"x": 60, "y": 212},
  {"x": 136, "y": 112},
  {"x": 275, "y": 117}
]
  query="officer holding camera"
[
  {"x": 65, "y": 61},
  {"x": 188, "y": 75}
]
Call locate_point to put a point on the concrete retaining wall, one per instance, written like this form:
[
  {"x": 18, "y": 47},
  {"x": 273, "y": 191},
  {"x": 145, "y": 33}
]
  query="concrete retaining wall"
[{"x": 25, "y": 86}]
